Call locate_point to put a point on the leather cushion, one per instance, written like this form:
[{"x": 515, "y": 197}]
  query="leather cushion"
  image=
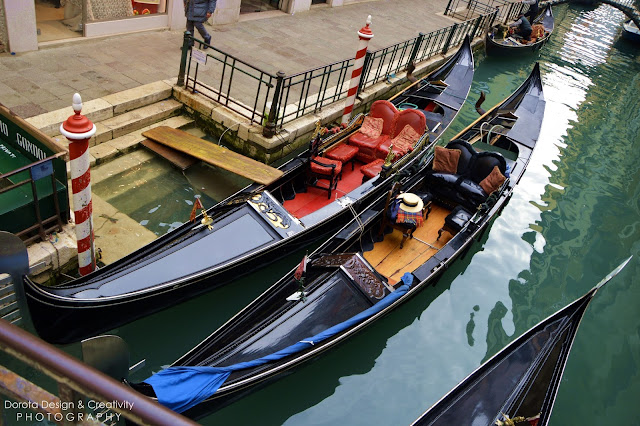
[
  {"x": 409, "y": 117},
  {"x": 385, "y": 110},
  {"x": 484, "y": 163},
  {"x": 457, "y": 218},
  {"x": 471, "y": 190},
  {"x": 467, "y": 154},
  {"x": 443, "y": 179}
]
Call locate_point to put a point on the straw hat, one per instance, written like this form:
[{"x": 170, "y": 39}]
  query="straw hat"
[{"x": 410, "y": 202}]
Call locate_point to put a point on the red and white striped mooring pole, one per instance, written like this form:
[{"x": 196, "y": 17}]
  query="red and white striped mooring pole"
[
  {"x": 364, "y": 35},
  {"x": 79, "y": 129}
]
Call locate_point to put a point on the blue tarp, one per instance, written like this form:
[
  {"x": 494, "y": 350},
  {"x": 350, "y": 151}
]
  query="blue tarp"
[{"x": 180, "y": 388}]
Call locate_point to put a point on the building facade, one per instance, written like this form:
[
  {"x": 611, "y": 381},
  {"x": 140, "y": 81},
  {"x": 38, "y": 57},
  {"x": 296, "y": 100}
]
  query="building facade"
[{"x": 25, "y": 25}]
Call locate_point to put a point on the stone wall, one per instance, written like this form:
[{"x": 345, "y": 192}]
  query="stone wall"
[
  {"x": 234, "y": 132},
  {"x": 3, "y": 29}
]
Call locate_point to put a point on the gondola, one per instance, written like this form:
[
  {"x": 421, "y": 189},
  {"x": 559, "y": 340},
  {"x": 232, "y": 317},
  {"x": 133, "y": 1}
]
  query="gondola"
[
  {"x": 261, "y": 223},
  {"x": 499, "y": 42},
  {"x": 630, "y": 31},
  {"x": 519, "y": 384},
  {"x": 361, "y": 273}
]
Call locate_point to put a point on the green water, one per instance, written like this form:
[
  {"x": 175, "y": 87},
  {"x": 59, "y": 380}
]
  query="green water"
[
  {"x": 160, "y": 197},
  {"x": 574, "y": 217}
]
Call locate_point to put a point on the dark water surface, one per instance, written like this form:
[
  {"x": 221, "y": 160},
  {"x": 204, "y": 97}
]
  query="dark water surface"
[{"x": 574, "y": 217}]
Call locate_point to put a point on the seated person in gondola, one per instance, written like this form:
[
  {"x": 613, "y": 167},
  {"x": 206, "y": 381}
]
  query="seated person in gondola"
[{"x": 523, "y": 26}]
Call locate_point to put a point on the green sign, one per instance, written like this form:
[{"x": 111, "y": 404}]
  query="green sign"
[{"x": 23, "y": 140}]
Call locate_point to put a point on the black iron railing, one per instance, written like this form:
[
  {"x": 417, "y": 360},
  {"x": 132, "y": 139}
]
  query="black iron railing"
[
  {"x": 41, "y": 169},
  {"x": 273, "y": 101},
  {"x": 465, "y": 9},
  {"x": 226, "y": 80}
]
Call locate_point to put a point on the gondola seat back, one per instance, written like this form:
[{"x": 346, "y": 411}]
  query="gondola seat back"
[
  {"x": 381, "y": 109},
  {"x": 402, "y": 137},
  {"x": 464, "y": 187}
]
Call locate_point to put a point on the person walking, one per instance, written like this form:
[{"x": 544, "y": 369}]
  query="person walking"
[
  {"x": 198, "y": 11},
  {"x": 534, "y": 8}
]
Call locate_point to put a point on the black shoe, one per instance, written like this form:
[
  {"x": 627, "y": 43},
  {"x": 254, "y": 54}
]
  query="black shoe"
[{"x": 207, "y": 40}]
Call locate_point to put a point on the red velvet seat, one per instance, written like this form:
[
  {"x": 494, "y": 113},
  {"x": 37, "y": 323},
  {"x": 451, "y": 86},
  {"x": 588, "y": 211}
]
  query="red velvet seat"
[
  {"x": 367, "y": 146},
  {"x": 325, "y": 168},
  {"x": 322, "y": 166},
  {"x": 372, "y": 169},
  {"x": 409, "y": 117},
  {"x": 343, "y": 153}
]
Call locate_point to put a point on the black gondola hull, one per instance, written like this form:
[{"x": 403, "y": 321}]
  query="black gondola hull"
[
  {"x": 521, "y": 381},
  {"x": 148, "y": 280},
  {"x": 274, "y": 320}
]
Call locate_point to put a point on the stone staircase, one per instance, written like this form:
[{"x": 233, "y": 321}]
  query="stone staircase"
[{"x": 120, "y": 119}]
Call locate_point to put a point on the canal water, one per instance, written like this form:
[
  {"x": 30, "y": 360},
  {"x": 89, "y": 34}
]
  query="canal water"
[{"x": 573, "y": 218}]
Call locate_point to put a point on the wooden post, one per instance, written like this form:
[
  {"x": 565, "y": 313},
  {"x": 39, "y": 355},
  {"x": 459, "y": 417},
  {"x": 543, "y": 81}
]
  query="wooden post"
[
  {"x": 78, "y": 129},
  {"x": 269, "y": 130},
  {"x": 186, "y": 42},
  {"x": 364, "y": 36}
]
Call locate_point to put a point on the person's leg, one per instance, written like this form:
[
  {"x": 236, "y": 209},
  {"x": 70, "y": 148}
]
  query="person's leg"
[
  {"x": 530, "y": 15},
  {"x": 203, "y": 32}
]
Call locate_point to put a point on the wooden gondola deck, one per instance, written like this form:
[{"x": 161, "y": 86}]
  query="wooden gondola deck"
[{"x": 392, "y": 261}]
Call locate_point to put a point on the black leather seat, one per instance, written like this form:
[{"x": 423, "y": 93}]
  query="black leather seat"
[
  {"x": 455, "y": 221},
  {"x": 463, "y": 187}
]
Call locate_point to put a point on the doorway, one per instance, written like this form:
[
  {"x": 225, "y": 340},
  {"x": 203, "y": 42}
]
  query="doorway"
[
  {"x": 54, "y": 20},
  {"x": 253, "y": 6}
]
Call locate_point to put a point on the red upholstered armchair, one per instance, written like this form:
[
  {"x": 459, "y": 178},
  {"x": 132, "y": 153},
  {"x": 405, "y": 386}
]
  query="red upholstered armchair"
[
  {"x": 367, "y": 145},
  {"x": 401, "y": 137},
  {"x": 321, "y": 168}
]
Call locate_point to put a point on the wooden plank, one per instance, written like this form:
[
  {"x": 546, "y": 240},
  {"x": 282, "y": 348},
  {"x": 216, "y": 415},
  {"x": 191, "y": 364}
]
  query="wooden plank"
[
  {"x": 213, "y": 154},
  {"x": 179, "y": 159}
]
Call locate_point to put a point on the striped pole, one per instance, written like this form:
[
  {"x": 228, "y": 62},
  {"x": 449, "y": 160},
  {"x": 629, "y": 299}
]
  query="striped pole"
[
  {"x": 79, "y": 129},
  {"x": 364, "y": 36}
]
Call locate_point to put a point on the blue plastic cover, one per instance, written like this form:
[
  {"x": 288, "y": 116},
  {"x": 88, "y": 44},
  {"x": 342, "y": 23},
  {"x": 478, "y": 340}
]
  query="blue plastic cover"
[{"x": 180, "y": 388}]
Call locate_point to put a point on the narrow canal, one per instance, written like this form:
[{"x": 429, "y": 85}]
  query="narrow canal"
[{"x": 574, "y": 217}]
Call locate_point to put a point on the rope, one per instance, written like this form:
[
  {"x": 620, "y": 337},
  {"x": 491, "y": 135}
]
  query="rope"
[
  {"x": 357, "y": 218},
  {"x": 491, "y": 130}
]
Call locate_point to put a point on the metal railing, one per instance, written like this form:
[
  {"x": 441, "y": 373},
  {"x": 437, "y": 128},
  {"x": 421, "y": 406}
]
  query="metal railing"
[
  {"x": 38, "y": 170},
  {"x": 79, "y": 387},
  {"x": 235, "y": 80},
  {"x": 276, "y": 100}
]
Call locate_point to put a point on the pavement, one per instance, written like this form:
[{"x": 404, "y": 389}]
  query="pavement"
[{"x": 33, "y": 83}]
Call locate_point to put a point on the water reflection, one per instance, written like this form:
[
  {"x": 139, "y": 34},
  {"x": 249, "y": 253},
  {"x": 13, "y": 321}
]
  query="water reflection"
[{"x": 573, "y": 217}]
